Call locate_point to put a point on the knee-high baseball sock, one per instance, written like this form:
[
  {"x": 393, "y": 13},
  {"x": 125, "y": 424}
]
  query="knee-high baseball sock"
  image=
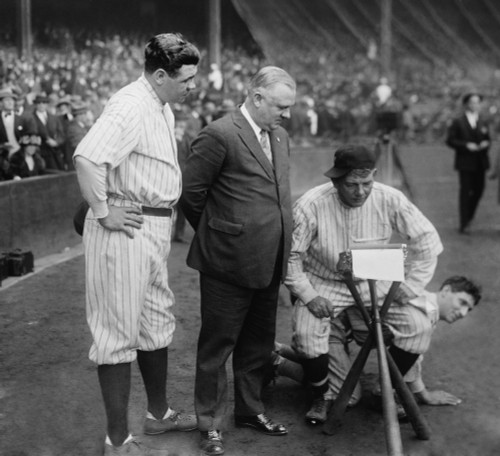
[
  {"x": 316, "y": 373},
  {"x": 403, "y": 359}
]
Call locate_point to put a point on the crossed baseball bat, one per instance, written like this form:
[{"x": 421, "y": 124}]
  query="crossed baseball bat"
[{"x": 387, "y": 369}]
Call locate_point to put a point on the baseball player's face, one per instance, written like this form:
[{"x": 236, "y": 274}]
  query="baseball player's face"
[
  {"x": 273, "y": 105},
  {"x": 175, "y": 90},
  {"x": 454, "y": 305},
  {"x": 354, "y": 190}
]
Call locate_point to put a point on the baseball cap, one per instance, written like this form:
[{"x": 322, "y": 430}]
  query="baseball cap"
[{"x": 351, "y": 157}]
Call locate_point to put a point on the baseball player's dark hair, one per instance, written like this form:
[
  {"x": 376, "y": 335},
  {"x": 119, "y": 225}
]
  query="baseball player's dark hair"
[
  {"x": 461, "y": 283},
  {"x": 361, "y": 172},
  {"x": 169, "y": 52}
]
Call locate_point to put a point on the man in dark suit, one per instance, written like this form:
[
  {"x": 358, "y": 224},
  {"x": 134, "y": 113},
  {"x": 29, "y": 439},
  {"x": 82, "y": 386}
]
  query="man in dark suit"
[
  {"x": 76, "y": 129},
  {"x": 237, "y": 198},
  {"x": 12, "y": 126},
  {"x": 469, "y": 136},
  {"x": 51, "y": 131}
]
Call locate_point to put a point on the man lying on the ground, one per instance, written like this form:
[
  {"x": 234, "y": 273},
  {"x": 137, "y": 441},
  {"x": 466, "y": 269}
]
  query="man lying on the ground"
[{"x": 456, "y": 297}]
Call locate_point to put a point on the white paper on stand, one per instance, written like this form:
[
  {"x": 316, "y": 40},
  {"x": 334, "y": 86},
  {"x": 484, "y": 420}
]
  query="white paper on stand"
[{"x": 378, "y": 264}]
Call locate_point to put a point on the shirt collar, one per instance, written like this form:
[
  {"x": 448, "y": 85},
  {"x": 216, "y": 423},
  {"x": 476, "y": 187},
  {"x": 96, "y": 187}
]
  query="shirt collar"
[
  {"x": 472, "y": 116},
  {"x": 252, "y": 123},
  {"x": 147, "y": 85}
]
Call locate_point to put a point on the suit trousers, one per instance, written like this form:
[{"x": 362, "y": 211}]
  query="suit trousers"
[
  {"x": 472, "y": 185},
  {"x": 238, "y": 321}
]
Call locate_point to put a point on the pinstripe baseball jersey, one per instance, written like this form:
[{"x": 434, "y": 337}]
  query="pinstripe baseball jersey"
[
  {"x": 324, "y": 227},
  {"x": 134, "y": 138},
  {"x": 129, "y": 302}
]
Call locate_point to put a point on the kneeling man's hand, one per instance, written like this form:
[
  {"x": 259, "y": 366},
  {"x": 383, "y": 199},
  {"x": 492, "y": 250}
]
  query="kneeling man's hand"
[{"x": 321, "y": 307}]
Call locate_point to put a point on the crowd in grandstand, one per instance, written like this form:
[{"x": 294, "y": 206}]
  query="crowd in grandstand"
[{"x": 336, "y": 96}]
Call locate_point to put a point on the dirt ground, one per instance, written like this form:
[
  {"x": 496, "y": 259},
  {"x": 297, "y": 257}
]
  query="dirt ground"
[{"x": 50, "y": 403}]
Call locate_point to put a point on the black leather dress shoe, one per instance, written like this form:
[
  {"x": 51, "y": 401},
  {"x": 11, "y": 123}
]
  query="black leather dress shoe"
[
  {"x": 211, "y": 443},
  {"x": 261, "y": 423}
]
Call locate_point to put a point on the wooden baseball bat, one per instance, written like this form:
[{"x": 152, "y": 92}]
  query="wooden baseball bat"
[
  {"x": 418, "y": 422},
  {"x": 391, "y": 425},
  {"x": 334, "y": 420}
]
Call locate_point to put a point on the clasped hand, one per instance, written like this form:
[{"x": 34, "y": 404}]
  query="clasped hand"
[
  {"x": 126, "y": 219},
  {"x": 321, "y": 307}
]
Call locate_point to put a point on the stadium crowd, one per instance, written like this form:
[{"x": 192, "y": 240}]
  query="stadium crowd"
[{"x": 336, "y": 96}]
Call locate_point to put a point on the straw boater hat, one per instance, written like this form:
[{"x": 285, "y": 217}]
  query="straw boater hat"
[{"x": 7, "y": 93}]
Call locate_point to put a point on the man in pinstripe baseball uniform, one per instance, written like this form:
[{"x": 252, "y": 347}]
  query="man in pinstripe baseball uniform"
[
  {"x": 351, "y": 211},
  {"x": 129, "y": 174}
]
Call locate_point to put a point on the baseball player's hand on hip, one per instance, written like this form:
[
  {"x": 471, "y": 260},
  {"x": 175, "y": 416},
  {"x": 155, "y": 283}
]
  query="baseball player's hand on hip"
[
  {"x": 321, "y": 307},
  {"x": 126, "y": 219}
]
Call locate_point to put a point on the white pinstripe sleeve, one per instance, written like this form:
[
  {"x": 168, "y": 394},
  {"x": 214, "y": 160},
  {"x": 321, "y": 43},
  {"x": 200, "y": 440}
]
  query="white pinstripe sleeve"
[
  {"x": 113, "y": 136},
  {"x": 424, "y": 244},
  {"x": 304, "y": 228}
]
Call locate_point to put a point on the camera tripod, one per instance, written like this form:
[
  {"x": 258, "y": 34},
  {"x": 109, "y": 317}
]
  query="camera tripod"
[{"x": 389, "y": 165}]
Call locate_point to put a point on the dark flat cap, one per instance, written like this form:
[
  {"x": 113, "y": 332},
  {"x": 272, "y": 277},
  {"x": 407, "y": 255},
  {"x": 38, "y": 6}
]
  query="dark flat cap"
[{"x": 351, "y": 157}]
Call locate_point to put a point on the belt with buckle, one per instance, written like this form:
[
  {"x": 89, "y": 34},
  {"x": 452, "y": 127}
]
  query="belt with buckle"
[{"x": 157, "y": 211}]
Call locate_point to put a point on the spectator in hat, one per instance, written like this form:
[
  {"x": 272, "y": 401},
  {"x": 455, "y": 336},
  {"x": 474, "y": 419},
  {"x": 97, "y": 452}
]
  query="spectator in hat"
[
  {"x": 27, "y": 162},
  {"x": 353, "y": 210},
  {"x": 469, "y": 136},
  {"x": 49, "y": 128},
  {"x": 12, "y": 126},
  {"x": 63, "y": 111},
  {"x": 77, "y": 128}
]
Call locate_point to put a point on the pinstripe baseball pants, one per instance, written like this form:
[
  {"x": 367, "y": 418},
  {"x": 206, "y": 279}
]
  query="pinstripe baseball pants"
[
  {"x": 411, "y": 327},
  {"x": 128, "y": 300}
]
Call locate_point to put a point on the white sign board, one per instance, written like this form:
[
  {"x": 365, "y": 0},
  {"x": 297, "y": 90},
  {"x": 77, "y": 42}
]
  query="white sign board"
[{"x": 378, "y": 264}]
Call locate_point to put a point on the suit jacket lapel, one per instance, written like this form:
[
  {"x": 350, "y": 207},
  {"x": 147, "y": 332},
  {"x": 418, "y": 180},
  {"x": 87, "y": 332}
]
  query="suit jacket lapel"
[
  {"x": 248, "y": 137},
  {"x": 280, "y": 153}
]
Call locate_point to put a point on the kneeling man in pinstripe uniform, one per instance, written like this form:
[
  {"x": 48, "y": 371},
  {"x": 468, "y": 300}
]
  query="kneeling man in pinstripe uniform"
[{"x": 350, "y": 211}]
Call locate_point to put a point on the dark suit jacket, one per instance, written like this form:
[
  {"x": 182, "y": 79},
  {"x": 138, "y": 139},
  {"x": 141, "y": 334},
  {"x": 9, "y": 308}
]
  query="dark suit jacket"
[
  {"x": 22, "y": 125},
  {"x": 20, "y": 168},
  {"x": 460, "y": 133},
  {"x": 74, "y": 134},
  {"x": 238, "y": 205},
  {"x": 52, "y": 129}
]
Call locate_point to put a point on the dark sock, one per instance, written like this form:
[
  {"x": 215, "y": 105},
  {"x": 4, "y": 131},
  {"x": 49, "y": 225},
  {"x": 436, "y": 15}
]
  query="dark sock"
[
  {"x": 403, "y": 359},
  {"x": 316, "y": 373}
]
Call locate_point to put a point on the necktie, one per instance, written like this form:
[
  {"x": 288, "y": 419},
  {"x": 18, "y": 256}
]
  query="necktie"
[
  {"x": 266, "y": 147},
  {"x": 6, "y": 113}
]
